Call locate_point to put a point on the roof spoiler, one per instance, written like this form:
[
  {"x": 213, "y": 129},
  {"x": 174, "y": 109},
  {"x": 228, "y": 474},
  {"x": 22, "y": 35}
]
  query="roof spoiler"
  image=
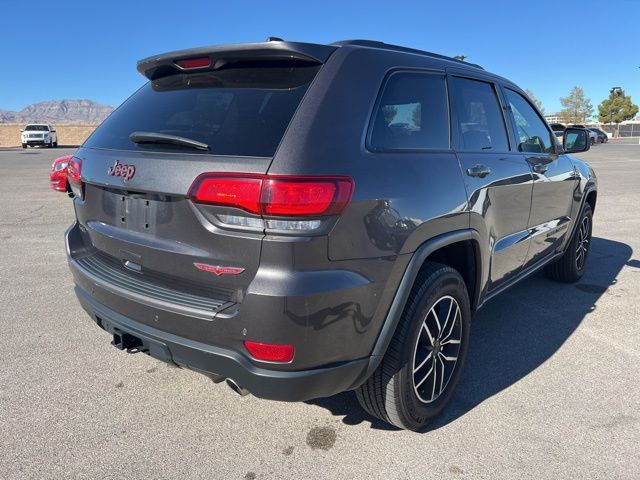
[{"x": 195, "y": 59}]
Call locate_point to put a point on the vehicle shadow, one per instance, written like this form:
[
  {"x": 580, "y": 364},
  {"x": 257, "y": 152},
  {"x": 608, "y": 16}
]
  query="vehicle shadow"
[{"x": 514, "y": 334}]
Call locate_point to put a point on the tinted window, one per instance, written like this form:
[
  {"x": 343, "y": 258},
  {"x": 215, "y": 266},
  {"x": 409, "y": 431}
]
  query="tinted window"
[
  {"x": 412, "y": 113},
  {"x": 533, "y": 135},
  {"x": 480, "y": 122},
  {"x": 240, "y": 111}
]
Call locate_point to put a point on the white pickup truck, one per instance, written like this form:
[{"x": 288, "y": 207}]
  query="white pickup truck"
[{"x": 38, "y": 134}]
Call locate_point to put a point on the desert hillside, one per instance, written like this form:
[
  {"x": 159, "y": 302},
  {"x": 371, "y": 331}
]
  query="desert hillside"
[{"x": 84, "y": 111}]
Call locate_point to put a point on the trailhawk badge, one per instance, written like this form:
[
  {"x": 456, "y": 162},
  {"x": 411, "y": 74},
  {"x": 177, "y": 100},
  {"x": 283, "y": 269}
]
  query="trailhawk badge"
[
  {"x": 120, "y": 170},
  {"x": 218, "y": 270}
]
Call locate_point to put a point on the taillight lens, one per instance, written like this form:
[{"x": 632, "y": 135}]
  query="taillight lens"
[
  {"x": 238, "y": 192},
  {"x": 305, "y": 197},
  {"x": 277, "y": 196},
  {"x": 269, "y": 352},
  {"x": 74, "y": 176}
]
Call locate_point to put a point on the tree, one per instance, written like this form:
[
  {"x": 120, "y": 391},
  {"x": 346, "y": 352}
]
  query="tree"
[
  {"x": 617, "y": 108},
  {"x": 389, "y": 112},
  {"x": 577, "y": 107},
  {"x": 535, "y": 101}
]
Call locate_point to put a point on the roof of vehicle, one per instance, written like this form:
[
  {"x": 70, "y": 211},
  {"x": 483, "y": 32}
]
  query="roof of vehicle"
[{"x": 273, "y": 49}]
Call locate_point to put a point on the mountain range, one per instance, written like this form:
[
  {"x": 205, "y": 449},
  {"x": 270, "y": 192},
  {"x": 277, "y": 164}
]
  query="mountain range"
[{"x": 59, "y": 111}]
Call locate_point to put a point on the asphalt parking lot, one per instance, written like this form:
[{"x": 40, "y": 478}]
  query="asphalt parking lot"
[{"x": 551, "y": 388}]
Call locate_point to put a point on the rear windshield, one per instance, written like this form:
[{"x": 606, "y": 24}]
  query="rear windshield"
[
  {"x": 37, "y": 128},
  {"x": 239, "y": 111}
]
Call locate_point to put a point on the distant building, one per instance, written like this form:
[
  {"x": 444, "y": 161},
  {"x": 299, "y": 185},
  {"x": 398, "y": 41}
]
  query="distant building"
[{"x": 552, "y": 118}]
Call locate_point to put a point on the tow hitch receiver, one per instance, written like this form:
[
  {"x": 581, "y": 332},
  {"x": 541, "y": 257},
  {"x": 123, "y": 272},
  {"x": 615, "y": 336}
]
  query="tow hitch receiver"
[{"x": 125, "y": 341}]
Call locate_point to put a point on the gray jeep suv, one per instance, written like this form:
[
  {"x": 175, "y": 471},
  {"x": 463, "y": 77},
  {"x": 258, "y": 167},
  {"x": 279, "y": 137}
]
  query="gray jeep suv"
[{"x": 301, "y": 220}]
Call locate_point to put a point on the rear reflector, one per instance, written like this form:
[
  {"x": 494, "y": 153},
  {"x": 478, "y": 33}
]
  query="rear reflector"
[
  {"x": 199, "y": 62},
  {"x": 269, "y": 352},
  {"x": 279, "y": 196}
]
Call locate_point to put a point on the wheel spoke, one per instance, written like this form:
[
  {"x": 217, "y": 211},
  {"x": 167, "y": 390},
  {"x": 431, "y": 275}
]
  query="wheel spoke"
[
  {"x": 426, "y": 329},
  {"x": 453, "y": 322},
  {"x": 435, "y": 315},
  {"x": 448, "y": 359},
  {"x": 435, "y": 379},
  {"x": 441, "y": 376},
  {"x": 425, "y": 377},
  {"x": 422, "y": 362}
]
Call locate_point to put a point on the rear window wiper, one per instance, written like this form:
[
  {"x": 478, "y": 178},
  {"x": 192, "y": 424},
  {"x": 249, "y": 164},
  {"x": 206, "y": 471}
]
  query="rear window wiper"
[{"x": 165, "y": 138}]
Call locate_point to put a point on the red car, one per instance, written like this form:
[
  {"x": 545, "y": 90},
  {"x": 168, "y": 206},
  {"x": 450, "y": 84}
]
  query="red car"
[{"x": 59, "y": 173}]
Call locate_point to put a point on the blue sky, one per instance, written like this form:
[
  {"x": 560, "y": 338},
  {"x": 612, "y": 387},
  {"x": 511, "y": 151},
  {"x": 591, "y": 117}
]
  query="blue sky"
[{"x": 85, "y": 49}]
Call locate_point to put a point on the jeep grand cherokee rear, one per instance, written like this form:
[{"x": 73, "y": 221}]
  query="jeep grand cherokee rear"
[{"x": 294, "y": 218}]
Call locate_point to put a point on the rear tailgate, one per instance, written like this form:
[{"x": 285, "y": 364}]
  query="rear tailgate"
[{"x": 140, "y": 228}]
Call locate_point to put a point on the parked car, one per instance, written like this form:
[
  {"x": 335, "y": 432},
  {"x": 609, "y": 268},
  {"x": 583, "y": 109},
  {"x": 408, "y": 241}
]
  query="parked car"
[
  {"x": 237, "y": 217},
  {"x": 58, "y": 176},
  {"x": 558, "y": 130},
  {"x": 38, "y": 134},
  {"x": 593, "y": 136},
  {"x": 602, "y": 137}
]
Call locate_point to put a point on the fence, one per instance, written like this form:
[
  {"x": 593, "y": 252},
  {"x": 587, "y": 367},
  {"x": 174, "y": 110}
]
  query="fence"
[{"x": 622, "y": 130}]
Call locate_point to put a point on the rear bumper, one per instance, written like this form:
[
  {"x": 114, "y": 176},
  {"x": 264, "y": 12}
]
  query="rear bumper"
[{"x": 262, "y": 382}]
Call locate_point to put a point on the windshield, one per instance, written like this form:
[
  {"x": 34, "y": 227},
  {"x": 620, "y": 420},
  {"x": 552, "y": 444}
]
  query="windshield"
[
  {"x": 37, "y": 128},
  {"x": 239, "y": 111}
]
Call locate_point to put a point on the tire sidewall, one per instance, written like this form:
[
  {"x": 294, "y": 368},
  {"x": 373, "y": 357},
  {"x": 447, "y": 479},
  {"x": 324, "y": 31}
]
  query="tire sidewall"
[
  {"x": 586, "y": 212},
  {"x": 448, "y": 283}
]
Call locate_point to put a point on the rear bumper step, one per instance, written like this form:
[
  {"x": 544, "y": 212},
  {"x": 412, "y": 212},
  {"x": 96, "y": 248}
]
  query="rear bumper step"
[
  {"x": 134, "y": 287},
  {"x": 292, "y": 386}
]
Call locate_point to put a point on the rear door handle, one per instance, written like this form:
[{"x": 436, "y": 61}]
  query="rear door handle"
[{"x": 478, "y": 171}]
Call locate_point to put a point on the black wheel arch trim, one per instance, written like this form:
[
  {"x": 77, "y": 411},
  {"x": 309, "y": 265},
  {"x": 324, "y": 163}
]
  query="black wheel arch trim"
[
  {"x": 591, "y": 187},
  {"x": 406, "y": 284}
]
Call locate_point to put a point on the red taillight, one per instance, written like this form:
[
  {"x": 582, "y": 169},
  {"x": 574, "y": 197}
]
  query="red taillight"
[
  {"x": 306, "y": 196},
  {"x": 269, "y": 352},
  {"x": 265, "y": 195},
  {"x": 199, "y": 62},
  {"x": 74, "y": 176},
  {"x": 239, "y": 192},
  {"x": 74, "y": 171}
]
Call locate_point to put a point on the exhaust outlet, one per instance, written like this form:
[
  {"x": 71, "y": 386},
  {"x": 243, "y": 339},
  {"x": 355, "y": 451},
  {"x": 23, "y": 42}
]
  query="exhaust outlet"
[{"x": 237, "y": 388}]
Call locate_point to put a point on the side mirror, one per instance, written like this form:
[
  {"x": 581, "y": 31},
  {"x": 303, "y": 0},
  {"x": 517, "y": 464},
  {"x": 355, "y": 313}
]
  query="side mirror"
[
  {"x": 53, "y": 131},
  {"x": 21, "y": 130},
  {"x": 576, "y": 140}
]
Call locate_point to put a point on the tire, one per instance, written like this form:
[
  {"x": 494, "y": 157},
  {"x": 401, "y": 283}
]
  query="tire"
[
  {"x": 24, "y": 145},
  {"x": 55, "y": 144},
  {"x": 390, "y": 393},
  {"x": 593, "y": 142},
  {"x": 570, "y": 267}
]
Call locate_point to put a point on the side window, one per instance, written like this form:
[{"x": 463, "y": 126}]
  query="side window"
[
  {"x": 533, "y": 135},
  {"x": 412, "y": 113},
  {"x": 480, "y": 123}
]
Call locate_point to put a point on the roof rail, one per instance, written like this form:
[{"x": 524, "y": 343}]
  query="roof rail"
[{"x": 397, "y": 48}]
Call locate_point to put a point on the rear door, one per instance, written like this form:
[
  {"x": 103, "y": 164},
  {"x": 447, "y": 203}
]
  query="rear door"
[
  {"x": 136, "y": 213},
  {"x": 498, "y": 180},
  {"x": 554, "y": 179}
]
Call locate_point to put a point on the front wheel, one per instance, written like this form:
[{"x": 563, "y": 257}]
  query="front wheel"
[
  {"x": 24, "y": 145},
  {"x": 571, "y": 265},
  {"x": 422, "y": 365}
]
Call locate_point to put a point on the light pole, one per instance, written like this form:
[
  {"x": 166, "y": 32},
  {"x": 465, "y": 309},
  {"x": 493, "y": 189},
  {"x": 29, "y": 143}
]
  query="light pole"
[{"x": 614, "y": 91}]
